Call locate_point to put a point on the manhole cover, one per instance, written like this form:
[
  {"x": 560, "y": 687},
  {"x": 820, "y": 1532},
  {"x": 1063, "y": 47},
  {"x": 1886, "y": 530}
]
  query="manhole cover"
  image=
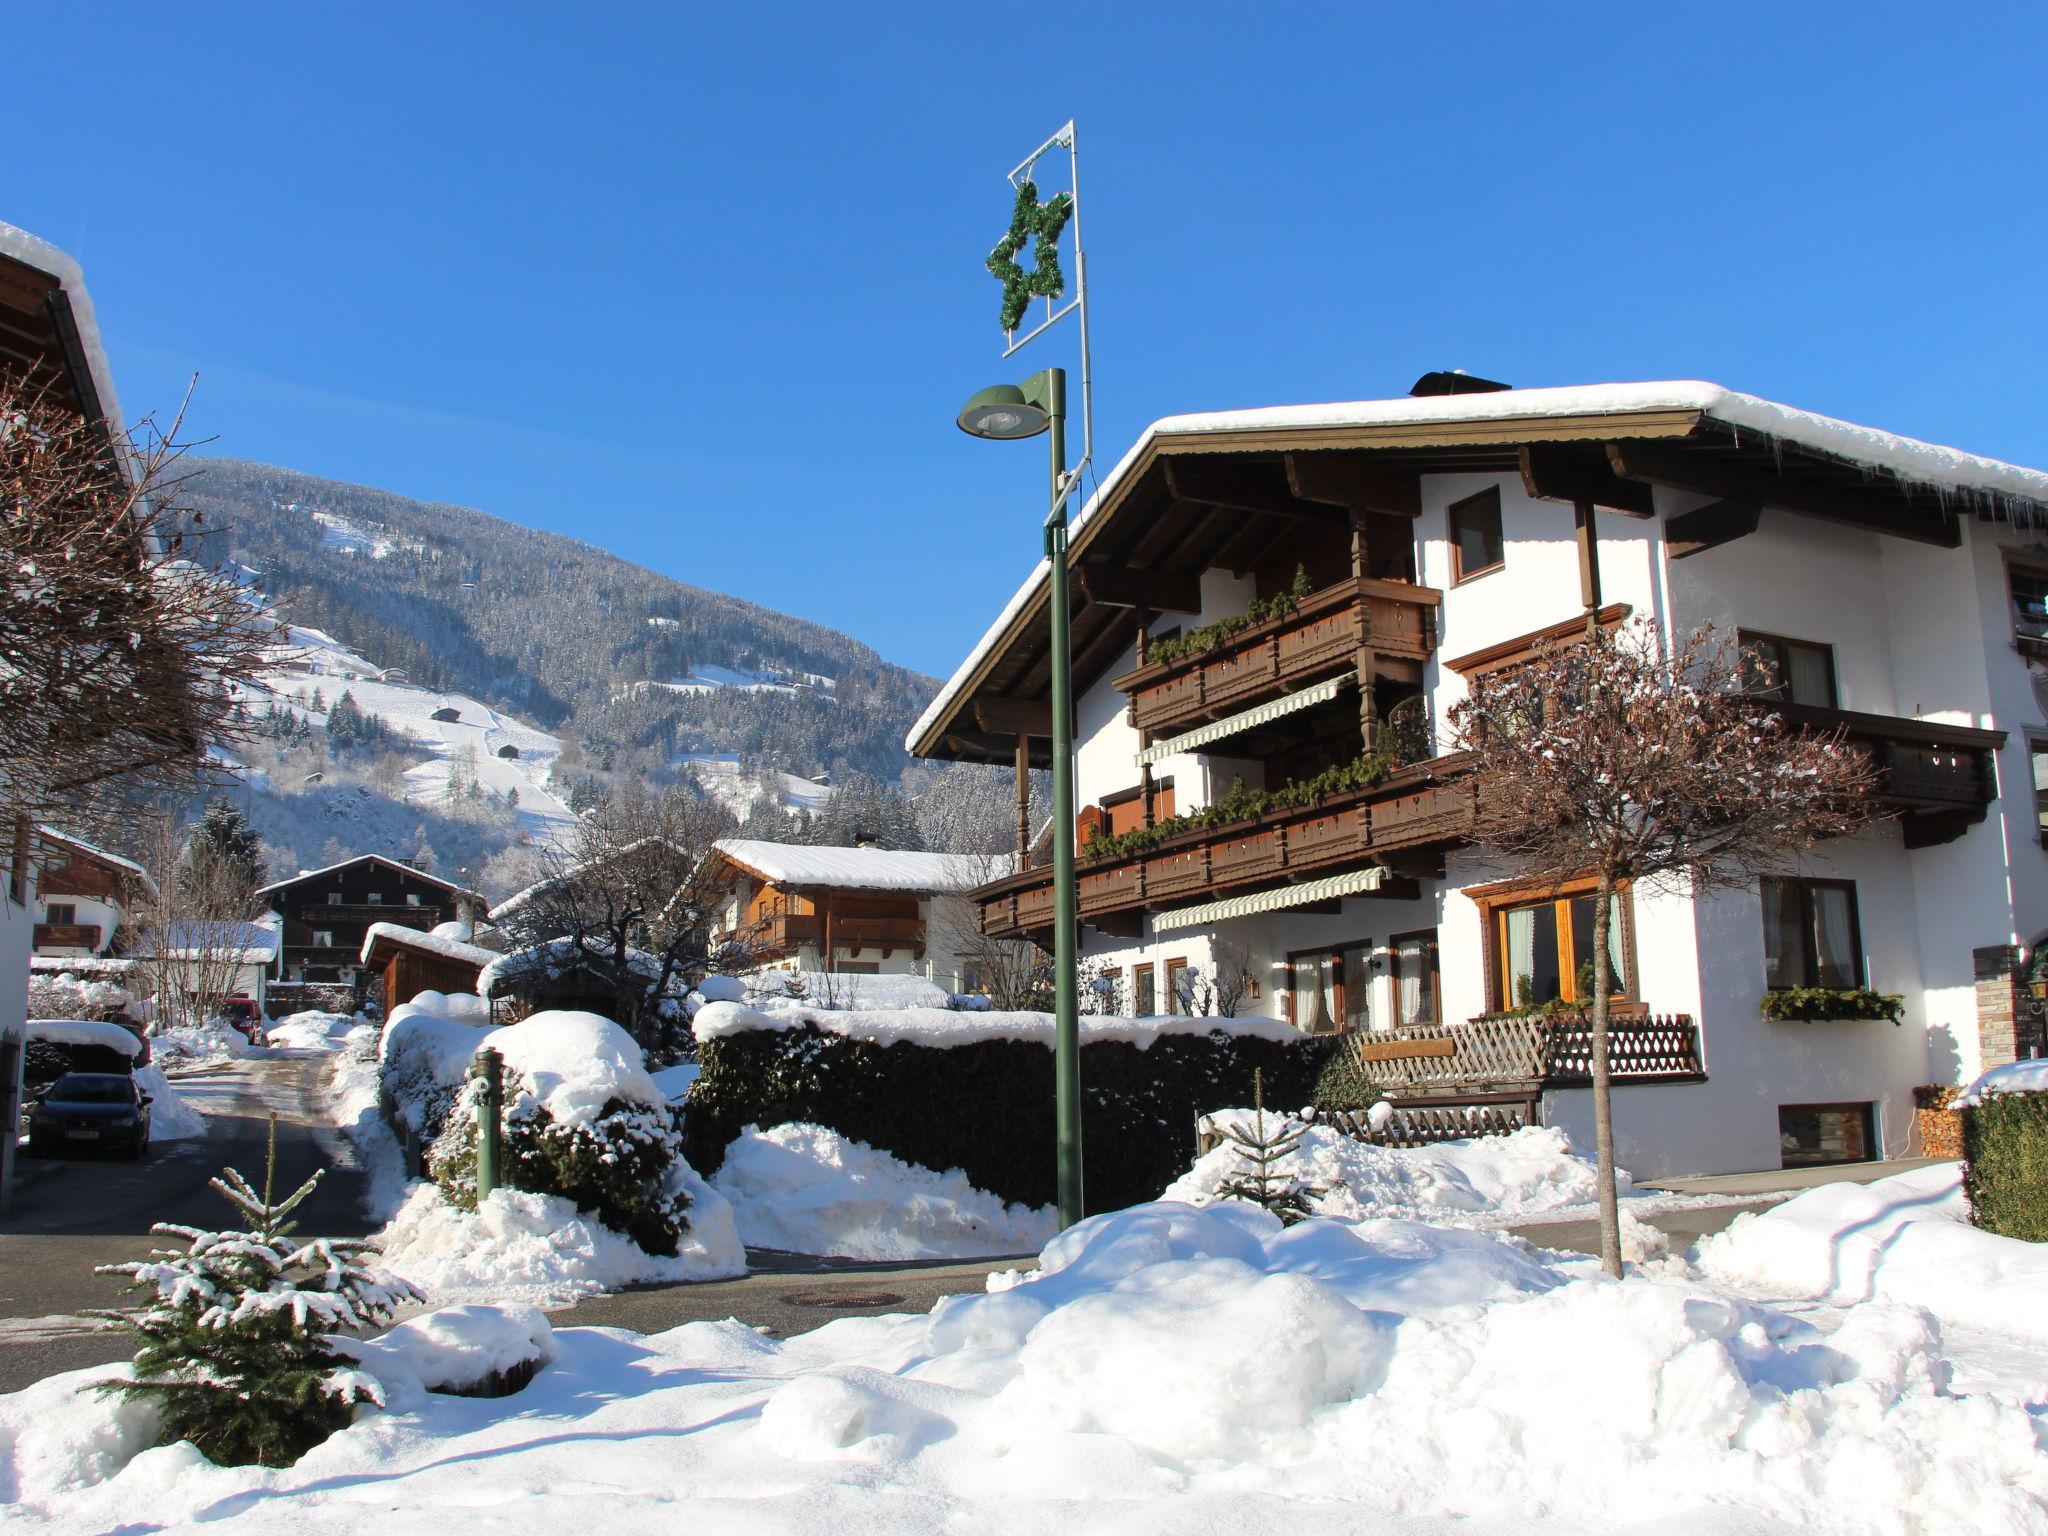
[{"x": 839, "y": 1298}]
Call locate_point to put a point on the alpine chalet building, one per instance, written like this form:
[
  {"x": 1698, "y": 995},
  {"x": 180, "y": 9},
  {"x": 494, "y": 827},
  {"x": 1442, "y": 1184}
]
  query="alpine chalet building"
[{"x": 1261, "y": 597}]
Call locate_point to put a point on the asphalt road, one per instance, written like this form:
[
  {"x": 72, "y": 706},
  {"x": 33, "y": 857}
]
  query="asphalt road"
[{"x": 71, "y": 1214}]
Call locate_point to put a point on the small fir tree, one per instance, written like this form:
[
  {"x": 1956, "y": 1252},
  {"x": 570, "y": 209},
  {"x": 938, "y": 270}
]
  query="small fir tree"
[
  {"x": 234, "y": 1352},
  {"x": 1259, "y": 1178}
]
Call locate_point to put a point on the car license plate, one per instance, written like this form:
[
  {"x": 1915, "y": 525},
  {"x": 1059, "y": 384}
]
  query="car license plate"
[{"x": 83, "y": 1135}]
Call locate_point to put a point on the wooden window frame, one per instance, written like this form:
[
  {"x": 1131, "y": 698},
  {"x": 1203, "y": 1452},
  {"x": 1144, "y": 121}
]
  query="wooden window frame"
[
  {"x": 2034, "y": 566},
  {"x": 1459, "y": 575},
  {"x": 1326, "y": 954},
  {"x": 1145, "y": 970},
  {"x": 1171, "y": 972},
  {"x": 68, "y": 908},
  {"x": 2037, "y": 743},
  {"x": 1865, "y": 1109},
  {"x": 1497, "y": 900},
  {"x": 1807, "y": 885},
  {"x": 1436, "y": 973},
  {"x": 1758, "y": 638},
  {"x": 1507, "y": 654}
]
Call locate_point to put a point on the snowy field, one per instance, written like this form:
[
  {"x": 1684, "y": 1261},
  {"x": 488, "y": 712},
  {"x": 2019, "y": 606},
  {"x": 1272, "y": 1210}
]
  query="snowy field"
[
  {"x": 1164, "y": 1369},
  {"x": 725, "y": 779}
]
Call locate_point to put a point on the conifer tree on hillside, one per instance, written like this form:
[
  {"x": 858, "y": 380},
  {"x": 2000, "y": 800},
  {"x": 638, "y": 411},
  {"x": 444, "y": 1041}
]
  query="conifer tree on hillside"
[{"x": 224, "y": 855}]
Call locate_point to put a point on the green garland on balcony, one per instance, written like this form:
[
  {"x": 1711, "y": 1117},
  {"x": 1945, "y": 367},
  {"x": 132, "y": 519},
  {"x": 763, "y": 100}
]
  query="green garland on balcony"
[
  {"x": 1799, "y": 1005},
  {"x": 1242, "y": 804},
  {"x": 1195, "y": 641}
]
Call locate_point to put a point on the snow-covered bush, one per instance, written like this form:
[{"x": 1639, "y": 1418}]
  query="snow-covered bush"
[
  {"x": 424, "y": 1055},
  {"x": 582, "y": 1120},
  {"x": 66, "y": 996},
  {"x": 234, "y": 1353},
  {"x": 2005, "y": 1163},
  {"x": 974, "y": 1091}
]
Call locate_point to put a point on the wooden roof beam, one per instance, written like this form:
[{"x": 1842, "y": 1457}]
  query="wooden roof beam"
[
  {"x": 1659, "y": 464},
  {"x": 1554, "y": 473},
  {"x": 1014, "y": 717},
  {"x": 1124, "y": 586},
  {"x": 1345, "y": 480},
  {"x": 1708, "y": 527},
  {"x": 1241, "y": 487}
]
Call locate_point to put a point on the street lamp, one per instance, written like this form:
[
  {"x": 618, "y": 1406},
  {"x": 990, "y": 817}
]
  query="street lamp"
[{"x": 1003, "y": 413}]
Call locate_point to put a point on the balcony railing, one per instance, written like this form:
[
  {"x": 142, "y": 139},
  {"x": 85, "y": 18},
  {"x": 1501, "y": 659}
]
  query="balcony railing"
[
  {"x": 1939, "y": 778},
  {"x": 1502, "y": 1055},
  {"x": 66, "y": 936},
  {"x": 783, "y": 931},
  {"x": 1344, "y": 831},
  {"x": 318, "y": 914},
  {"x": 1321, "y": 639}
]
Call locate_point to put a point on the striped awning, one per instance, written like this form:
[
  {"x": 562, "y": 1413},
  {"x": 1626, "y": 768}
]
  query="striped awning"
[
  {"x": 1244, "y": 720},
  {"x": 1353, "y": 882}
]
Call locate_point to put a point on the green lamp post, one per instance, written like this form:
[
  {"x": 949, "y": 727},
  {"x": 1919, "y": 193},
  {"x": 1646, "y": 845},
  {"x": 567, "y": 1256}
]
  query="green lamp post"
[{"x": 1012, "y": 411}]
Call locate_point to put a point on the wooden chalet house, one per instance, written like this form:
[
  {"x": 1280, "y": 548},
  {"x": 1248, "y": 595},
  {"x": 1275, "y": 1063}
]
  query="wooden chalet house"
[
  {"x": 851, "y": 911},
  {"x": 87, "y": 895},
  {"x": 328, "y": 913},
  {"x": 1261, "y": 597}
]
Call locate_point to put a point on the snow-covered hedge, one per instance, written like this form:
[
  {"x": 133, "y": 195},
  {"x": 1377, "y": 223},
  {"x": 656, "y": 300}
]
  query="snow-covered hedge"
[
  {"x": 2005, "y": 1163},
  {"x": 582, "y": 1120},
  {"x": 424, "y": 1056},
  {"x": 974, "y": 1091}
]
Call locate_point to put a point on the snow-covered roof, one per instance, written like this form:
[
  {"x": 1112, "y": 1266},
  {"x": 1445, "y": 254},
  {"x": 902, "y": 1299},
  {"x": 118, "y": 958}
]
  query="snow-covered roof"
[
  {"x": 80, "y": 965},
  {"x": 863, "y": 869},
  {"x": 430, "y": 943},
  {"x": 519, "y": 899},
  {"x": 92, "y": 851},
  {"x": 378, "y": 858},
  {"x": 560, "y": 957},
  {"x": 1949, "y": 470},
  {"x": 113, "y": 1037},
  {"x": 189, "y": 938},
  {"x": 34, "y": 251}
]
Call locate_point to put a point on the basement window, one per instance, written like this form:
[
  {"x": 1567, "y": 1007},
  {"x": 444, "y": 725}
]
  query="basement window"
[{"x": 1814, "y": 1135}]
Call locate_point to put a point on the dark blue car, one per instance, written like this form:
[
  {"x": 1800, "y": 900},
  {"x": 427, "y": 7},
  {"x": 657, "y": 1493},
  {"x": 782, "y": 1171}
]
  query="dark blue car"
[{"x": 90, "y": 1112}]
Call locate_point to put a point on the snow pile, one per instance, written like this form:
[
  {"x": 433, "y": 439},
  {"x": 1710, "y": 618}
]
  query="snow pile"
[
  {"x": 311, "y": 1030},
  {"x": 808, "y": 1189},
  {"x": 427, "y": 1047},
  {"x": 90, "y": 1032},
  {"x": 722, "y": 989},
  {"x": 840, "y": 991},
  {"x": 184, "y": 1047},
  {"x": 1500, "y": 1179},
  {"x": 539, "y": 1249},
  {"x": 1329, "y": 1377},
  {"x": 355, "y": 1104},
  {"x": 1906, "y": 1238},
  {"x": 170, "y": 1117},
  {"x": 941, "y": 1028},
  {"x": 674, "y": 1083},
  {"x": 2013, "y": 1077},
  {"x": 455, "y": 1349},
  {"x": 69, "y": 996},
  {"x": 571, "y": 1065}
]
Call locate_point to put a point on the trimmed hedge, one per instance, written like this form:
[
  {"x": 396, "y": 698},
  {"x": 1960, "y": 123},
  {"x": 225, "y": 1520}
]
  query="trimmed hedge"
[
  {"x": 987, "y": 1108},
  {"x": 2005, "y": 1164}
]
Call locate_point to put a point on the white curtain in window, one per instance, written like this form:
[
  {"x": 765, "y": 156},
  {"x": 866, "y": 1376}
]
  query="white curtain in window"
[
  {"x": 1521, "y": 953},
  {"x": 1833, "y": 937},
  {"x": 1357, "y": 988},
  {"x": 1806, "y": 668}
]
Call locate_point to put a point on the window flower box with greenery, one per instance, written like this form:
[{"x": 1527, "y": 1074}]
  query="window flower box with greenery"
[
  {"x": 1197, "y": 642},
  {"x": 1817, "y": 1005},
  {"x": 1243, "y": 804}
]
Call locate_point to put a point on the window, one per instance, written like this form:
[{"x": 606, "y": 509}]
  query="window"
[
  {"x": 1540, "y": 944},
  {"x": 322, "y": 939},
  {"x": 412, "y": 898},
  {"x": 1177, "y": 986},
  {"x": 1415, "y": 978},
  {"x": 1814, "y": 1134},
  {"x": 1475, "y": 535},
  {"x": 1144, "y": 994},
  {"x": 1329, "y": 990},
  {"x": 62, "y": 913},
  {"x": 334, "y": 898},
  {"x": 1812, "y": 937},
  {"x": 375, "y": 898},
  {"x": 857, "y": 968},
  {"x": 2037, "y": 755},
  {"x": 2029, "y": 588},
  {"x": 1789, "y": 671}
]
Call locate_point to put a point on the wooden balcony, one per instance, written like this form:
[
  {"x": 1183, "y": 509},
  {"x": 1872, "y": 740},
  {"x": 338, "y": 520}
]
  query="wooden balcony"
[
  {"x": 1323, "y": 638},
  {"x": 1506, "y": 1055},
  {"x": 66, "y": 936},
  {"x": 776, "y": 932},
  {"x": 1940, "y": 779},
  {"x": 782, "y": 932},
  {"x": 1414, "y": 809},
  {"x": 321, "y": 913}
]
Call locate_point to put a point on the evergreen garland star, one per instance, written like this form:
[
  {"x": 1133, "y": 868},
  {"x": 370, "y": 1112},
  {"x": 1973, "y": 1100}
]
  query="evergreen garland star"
[{"x": 1045, "y": 280}]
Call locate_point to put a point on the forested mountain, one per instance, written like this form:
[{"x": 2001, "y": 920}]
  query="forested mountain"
[{"x": 636, "y": 669}]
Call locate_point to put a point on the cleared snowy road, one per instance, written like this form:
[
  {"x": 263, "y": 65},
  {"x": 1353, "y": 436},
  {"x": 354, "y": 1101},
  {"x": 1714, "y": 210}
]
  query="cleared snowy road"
[{"x": 72, "y": 1214}]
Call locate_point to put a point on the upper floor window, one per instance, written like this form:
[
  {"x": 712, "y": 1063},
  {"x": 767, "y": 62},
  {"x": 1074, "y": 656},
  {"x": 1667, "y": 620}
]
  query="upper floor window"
[
  {"x": 2028, "y": 586},
  {"x": 61, "y": 913},
  {"x": 1476, "y": 545},
  {"x": 2037, "y": 760},
  {"x": 334, "y": 898},
  {"x": 412, "y": 898},
  {"x": 1789, "y": 671},
  {"x": 323, "y": 939},
  {"x": 375, "y": 898},
  {"x": 1812, "y": 935}
]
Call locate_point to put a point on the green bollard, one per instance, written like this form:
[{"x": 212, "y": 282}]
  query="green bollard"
[{"x": 489, "y": 1070}]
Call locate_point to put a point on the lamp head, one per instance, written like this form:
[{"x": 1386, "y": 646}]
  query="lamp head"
[{"x": 1002, "y": 412}]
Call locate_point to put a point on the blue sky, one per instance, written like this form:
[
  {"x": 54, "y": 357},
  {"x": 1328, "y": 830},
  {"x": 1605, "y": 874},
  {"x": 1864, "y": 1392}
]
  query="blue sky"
[{"x": 705, "y": 286}]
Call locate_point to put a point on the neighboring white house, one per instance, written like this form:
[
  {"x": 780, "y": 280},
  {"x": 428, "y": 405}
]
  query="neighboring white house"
[
  {"x": 211, "y": 958},
  {"x": 850, "y": 911},
  {"x": 1903, "y": 588}
]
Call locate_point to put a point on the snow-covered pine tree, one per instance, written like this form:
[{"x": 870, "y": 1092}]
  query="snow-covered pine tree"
[
  {"x": 234, "y": 1352},
  {"x": 1258, "y": 1178}
]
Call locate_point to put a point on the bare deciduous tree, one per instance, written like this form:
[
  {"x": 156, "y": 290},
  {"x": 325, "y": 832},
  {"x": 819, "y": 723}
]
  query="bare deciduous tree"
[
  {"x": 195, "y": 926},
  {"x": 119, "y": 656},
  {"x": 1014, "y": 974},
  {"x": 1615, "y": 758}
]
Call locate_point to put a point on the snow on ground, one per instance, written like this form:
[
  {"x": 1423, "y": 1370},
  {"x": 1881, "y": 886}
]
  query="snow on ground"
[
  {"x": 170, "y": 1117},
  {"x": 343, "y": 537},
  {"x": 454, "y": 1348},
  {"x": 1498, "y": 1179},
  {"x": 704, "y": 677},
  {"x": 727, "y": 780},
  {"x": 355, "y": 1104},
  {"x": 907, "y": 991},
  {"x": 1905, "y": 1239},
  {"x": 2029, "y": 1076},
  {"x": 807, "y": 1189},
  {"x": 1166, "y": 1369},
  {"x": 311, "y": 1030},
  {"x": 186, "y": 1047}
]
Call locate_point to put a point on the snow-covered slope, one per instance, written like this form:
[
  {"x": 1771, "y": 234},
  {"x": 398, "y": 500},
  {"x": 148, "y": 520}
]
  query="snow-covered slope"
[{"x": 739, "y": 789}]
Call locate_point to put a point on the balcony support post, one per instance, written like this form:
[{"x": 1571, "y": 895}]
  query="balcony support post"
[{"x": 1023, "y": 799}]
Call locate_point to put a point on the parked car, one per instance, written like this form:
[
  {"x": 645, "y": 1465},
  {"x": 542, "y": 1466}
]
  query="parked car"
[
  {"x": 90, "y": 1111},
  {"x": 246, "y": 1015}
]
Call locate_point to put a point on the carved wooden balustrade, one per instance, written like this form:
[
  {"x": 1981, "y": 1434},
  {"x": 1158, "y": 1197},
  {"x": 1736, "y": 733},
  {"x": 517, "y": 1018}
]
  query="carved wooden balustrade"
[{"x": 1534, "y": 1051}]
